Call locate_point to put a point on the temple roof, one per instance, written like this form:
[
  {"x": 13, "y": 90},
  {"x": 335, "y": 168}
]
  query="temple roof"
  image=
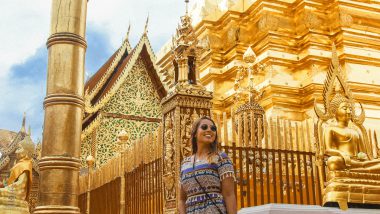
[
  {"x": 6, "y": 138},
  {"x": 107, "y": 80}
]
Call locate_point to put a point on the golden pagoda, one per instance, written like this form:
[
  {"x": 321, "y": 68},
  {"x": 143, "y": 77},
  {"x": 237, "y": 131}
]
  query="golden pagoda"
[{"x": 292, "y": 42}]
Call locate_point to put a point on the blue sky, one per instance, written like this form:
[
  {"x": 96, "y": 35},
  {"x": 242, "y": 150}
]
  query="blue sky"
[{"x": 24, "y": 28}]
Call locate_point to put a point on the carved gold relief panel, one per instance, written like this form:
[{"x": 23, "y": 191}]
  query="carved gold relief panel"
[
  {"x": 137, "y": 95},
  {"x": 169, "y": 157},
  {"x": 85, "y": 149},
  {"x": 107, "y": 132}
]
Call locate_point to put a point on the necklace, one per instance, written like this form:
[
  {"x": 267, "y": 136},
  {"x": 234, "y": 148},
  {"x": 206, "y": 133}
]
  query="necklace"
[
  {"x": 200, "y": 159},
  {"x": 197, "y": 160}
]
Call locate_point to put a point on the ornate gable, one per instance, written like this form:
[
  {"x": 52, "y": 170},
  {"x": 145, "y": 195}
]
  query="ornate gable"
[
  {"x": 128, "y": 100},
  {"x": 137, "y": 95}
]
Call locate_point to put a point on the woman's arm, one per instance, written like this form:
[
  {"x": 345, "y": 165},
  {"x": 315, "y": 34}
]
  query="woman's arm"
[
  {"x": 228, "y": 185},
  {"x": 181, "y": 201}
]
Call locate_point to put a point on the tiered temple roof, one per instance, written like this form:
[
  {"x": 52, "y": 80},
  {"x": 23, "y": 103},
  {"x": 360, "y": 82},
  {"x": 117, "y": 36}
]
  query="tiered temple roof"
[
  {"x": 6, "y": 137},
  {"x": 123, "y": 95},
  {"x": 107, "y": 80}
]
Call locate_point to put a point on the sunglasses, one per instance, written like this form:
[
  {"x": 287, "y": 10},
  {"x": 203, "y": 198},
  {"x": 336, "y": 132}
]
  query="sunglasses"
[{"x": 204, "y": 127}]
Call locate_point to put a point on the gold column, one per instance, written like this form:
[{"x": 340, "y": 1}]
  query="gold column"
[
  {"x": 183, "y": 69},
  {"x": 59, "y": 165}
]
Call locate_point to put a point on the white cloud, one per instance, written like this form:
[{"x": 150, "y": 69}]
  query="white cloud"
[
  {"x": 115, "y": 16},
  {"x": 24, "y": 27}
]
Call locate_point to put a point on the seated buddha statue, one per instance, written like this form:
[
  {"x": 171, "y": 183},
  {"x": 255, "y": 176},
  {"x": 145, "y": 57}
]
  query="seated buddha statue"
[
  {"x": 14, "y": 193},
  {"x": 351, "y": 174},
  {"x": 345, "y": 146}
]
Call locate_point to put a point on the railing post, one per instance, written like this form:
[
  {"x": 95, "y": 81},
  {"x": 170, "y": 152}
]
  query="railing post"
[
  {"x": 123, "y": 138},
  {"x": 90, "y": 163}
]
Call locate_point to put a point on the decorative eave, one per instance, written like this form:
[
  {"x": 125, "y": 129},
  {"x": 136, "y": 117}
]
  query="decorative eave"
[
  {"x": 91, "y": 127},
  {"x": 143, "y": 47},
  {"x": 124, "y": 50},
  {"x": 4, "y": 160},
  {"x": 6, "y": 137}
]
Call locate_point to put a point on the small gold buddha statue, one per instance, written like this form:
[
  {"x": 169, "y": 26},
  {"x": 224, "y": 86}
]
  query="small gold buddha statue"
[
  {"x": 14, "y": 194},
  {"x": 348, "y": 170}
]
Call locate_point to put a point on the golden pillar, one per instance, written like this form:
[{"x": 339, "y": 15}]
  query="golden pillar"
[{"x": 59, "y": 165}]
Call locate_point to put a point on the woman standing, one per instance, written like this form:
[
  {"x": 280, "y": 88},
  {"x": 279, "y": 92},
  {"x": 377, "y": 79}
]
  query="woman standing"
[{"x": 207, "y": 177}]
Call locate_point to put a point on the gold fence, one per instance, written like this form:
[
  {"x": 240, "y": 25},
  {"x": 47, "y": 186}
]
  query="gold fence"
[
  {"x": 144, "y": 189},
  {"x": 276, "y": 164},
  {"x": 140, "y": 163},
  {"x": 274, "y": 161}
]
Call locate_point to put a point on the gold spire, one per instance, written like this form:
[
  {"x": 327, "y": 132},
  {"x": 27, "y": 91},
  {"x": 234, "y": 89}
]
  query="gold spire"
[
  {"x": 187, "y": 6},
  {"x": 249, "y": 59},
  {"x": 23, "y": 129},
  {"x": 185, "y": 50},
  {"x": 146, "y": 25},
  {"x": 128, "y": 31}
]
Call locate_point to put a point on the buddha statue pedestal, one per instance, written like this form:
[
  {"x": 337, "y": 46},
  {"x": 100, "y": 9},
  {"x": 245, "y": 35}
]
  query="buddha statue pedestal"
[
  {"x": 11, "y": 205},
  {"x": 352, "y": 187}
]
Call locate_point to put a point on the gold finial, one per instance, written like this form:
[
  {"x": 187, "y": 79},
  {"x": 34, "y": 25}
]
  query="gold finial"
[
  {"x": 146, "y": 24},
  {"x": 128, "y": 31},
  {"x": 90, "y": 161},
  {"x": 187, "y": 6},
  {"x": 30, "y": 131},
  {"x": 249, "y": 56},
  {"x": 122, "y": 136},
  {"x": 23, "y": 129}
]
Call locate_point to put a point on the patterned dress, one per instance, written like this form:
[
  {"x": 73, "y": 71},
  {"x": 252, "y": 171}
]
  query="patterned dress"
[{"x": 210, "y": 174}]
